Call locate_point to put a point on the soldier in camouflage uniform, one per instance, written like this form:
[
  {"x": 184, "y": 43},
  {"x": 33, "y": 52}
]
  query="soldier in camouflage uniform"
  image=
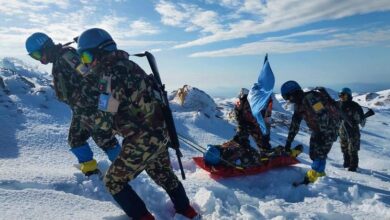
[
  {"x": 247, "y": 124},
  {"x": 349, "y": 129},
  {"x": 130, "y": 101},
  {"x": 321, "y": 116},
  {"x": 73, "y": 89}
]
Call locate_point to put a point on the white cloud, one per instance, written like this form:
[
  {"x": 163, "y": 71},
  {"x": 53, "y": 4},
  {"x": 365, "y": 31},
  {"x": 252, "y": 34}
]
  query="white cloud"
[
  {"x": 171, "y": 14},
  {"x": 272, "y": 16},
  {"x": 14, "y": 7},
  {"x": 225, "y": 3},
  {"x": 60, "y": 3},
  {"x": 285, "y": 44},
  {"x": 140, "y": 27},
  {"x": 252, "y": 6},
  {"x": 189, "y": 16},
  {"x": 325, "y": 31}
]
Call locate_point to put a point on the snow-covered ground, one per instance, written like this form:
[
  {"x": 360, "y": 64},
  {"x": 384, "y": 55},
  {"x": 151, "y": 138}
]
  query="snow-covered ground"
[{"x": 38, "y": 180}]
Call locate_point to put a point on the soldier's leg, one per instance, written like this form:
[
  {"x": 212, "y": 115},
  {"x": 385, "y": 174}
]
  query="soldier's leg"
[
  {"x": 242, "y": 134},
  {"x": 258, "y": 137},
  {"x": 136, "y": 153},
  {"x": 106, "y": 140},
  {"x": 161, "y": 172},
  {"x": 354, "y": 148},
  {"x": 77, "y": 140},
  {"x": 319, "y": 149},
  {"x": 344, "y": 144},
  {"x": 78, "y": 133}
]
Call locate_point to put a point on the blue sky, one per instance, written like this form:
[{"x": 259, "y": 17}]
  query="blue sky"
[{"x": 219, "y": 45}]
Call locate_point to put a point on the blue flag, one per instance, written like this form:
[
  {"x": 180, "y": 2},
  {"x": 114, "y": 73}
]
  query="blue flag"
[{"x": 261, "y": 92}]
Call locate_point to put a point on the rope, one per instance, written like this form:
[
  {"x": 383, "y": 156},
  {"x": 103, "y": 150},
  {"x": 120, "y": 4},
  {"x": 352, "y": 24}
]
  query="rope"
[{"x": 201, "y": 149}]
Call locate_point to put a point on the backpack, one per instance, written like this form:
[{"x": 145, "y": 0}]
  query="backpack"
[{"x": 333, "y": 111}]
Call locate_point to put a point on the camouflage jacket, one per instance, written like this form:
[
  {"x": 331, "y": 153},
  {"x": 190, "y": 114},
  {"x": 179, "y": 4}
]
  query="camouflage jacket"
[
  {"x": 315, "y": 111},
  {"x": 243, "y": 112},
  {"x": 353, "y": 113},
  {"x": 129, "y": 99},
  {"x": 69, "y": 85}
]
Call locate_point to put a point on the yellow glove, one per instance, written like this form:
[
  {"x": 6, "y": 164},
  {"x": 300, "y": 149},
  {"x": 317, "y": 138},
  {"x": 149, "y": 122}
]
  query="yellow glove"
[
  {"x": 296, "y": 151},
  {"x": 313, "y": 175},
  {"x": 89, "y": 166}
]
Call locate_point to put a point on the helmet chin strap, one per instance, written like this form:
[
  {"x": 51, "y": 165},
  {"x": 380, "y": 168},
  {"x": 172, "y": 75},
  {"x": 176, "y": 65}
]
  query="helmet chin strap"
[{"x": 105, "y": 44}]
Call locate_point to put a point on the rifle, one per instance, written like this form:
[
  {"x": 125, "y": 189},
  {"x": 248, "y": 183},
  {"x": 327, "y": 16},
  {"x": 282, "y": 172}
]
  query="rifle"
[
  {"x": 369, "y": 113},
  {"x": 165, "y": 108}
]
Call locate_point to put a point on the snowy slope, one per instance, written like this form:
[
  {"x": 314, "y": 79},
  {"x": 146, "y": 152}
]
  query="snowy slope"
[
  {"x": 375, "y": 100},
  {"x": 38, "y": 180}
]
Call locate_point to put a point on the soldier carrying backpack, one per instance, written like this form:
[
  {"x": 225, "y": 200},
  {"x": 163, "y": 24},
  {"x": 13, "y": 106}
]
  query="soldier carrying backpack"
[{"x": 322, "y": 116}]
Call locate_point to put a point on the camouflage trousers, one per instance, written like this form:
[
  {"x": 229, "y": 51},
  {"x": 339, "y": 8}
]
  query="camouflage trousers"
[
  {"x": 244, "y": 131},
  {"x": 350, "y": 145},
  {"x": 81, "y": 130},
  {"x": 320, "y": 145},
  {"x": 143, "y": 152},
  {"x": 235, "y": 154}
]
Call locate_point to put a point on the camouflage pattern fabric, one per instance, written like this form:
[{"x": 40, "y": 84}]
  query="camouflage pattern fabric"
[
  {"x": 313, "y": 110},
  {"x": 236, "y": 154},
  {"x": 80, "y": 131},
  {"x": 76, "y": 91},
  {"x": 245, "y": 156},
  {"x": 138, "y": 118},
  {"x": 140, "y": 153},
  {"x": 350, "y": 132},
  {"x": 248, "y": 126},
  {"x": 320, "y": 145}
]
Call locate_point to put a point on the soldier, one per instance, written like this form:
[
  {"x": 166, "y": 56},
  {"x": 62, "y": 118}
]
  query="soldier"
[
  {"x": 130, "y": 100},
  {"x": 247, "y": 124},
  {"x": 71, "y": 88},
  {"x": 321, "y": 116},
  {"x": 349, "y": 129}
]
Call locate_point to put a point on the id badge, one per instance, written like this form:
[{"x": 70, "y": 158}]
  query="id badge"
[
  {"x": 108, "y": 103},
  {"x": 103, "y": 102}
]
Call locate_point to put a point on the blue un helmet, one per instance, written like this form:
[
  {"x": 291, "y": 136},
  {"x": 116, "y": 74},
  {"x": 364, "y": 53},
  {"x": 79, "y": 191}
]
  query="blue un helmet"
[
  {"x": 93, "y": 41},
  {"x": 212, "y": 156},
  {"x": 36, "y": 43},
  {"x": 345, "y": 91},
  {"x": 288, "y": 88}
]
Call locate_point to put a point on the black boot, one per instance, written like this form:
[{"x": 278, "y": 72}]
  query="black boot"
[
  {"x": 181, "y": 203},
  {"x": 346, "y": 160},
  {"x": 354, "y": 161},
  {"x": 179, "y": 198},
  {"x": 131, "y": 203}
]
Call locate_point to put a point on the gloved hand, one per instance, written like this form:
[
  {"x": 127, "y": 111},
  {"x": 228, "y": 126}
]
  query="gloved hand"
[{"x": 363, "y": 122}]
